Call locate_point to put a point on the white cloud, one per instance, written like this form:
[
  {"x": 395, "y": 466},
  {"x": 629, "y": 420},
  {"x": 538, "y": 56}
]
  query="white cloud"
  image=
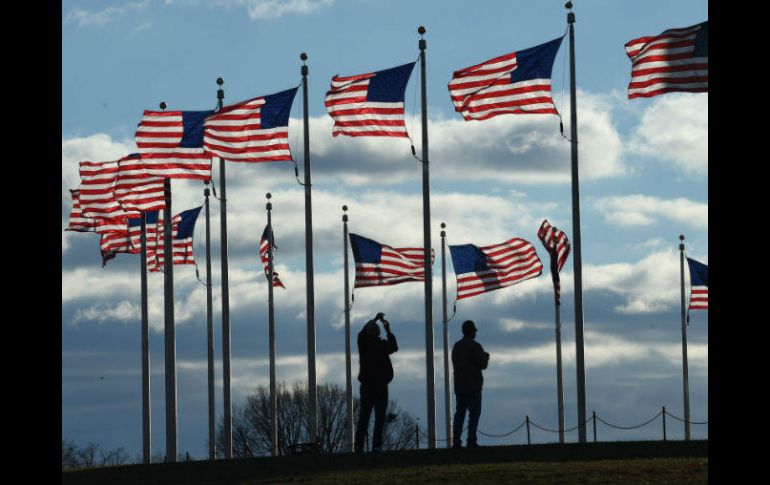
[
  {"x": 88, "y": 18},
  {"x": 273, "y": 9},
  {"x": 644, "y": 210},
  {"x": 675, "y": 128}
]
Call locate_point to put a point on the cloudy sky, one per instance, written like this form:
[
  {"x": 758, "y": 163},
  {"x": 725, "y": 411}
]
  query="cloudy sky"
[{"x": 643, "y": 174}]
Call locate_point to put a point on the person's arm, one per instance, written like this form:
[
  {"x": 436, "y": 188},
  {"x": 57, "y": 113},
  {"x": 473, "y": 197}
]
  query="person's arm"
[
  {"x": 481, "y": 357},
  {"x": 392, "y": 345}
]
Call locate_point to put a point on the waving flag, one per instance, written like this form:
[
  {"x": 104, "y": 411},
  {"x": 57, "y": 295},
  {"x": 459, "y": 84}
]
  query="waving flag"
[
  {"x": 151, "y": 234},
  {"x": 492, "y": 267},
  {"x": 97, "y": 191},
  {"x": 699, "y": 285},
  {"x": 256, "y": 130},
  {"x": 263, "y": 245},
  {"x": 515, "y": 83},
  {"x": 136, "y": 190},
  {"x": 183, "y": 225},
  {"x": 116, "y": 241},
  {"x": 381, "y": 265},
  {"x": 369, "y": 104},
  {"x": 676, "y": 60},
  {"x": 78, "y": 222},
  {"x": 171, "y": 144}
]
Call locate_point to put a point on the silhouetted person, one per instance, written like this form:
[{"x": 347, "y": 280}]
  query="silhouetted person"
[
  {"x": 375, "y": 372},
  {"x": 468, "y": 359}
]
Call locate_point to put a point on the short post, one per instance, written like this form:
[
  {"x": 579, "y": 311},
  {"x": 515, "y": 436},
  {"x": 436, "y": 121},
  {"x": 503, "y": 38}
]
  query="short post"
[
  {"x": 594, "y": 418},
  {"x": 664, "y": 423},
  {"x": 529, "y": 440}
]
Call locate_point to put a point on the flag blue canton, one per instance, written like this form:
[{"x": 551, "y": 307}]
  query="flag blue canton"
[
  {"x": 365, "y": 250},
  {"x": 186, "y": 225},
  {"x": 535, "y": 62},
  {"x": 277, "y": 108},
  {"x": 389, "y": 85},
  {"x": 467, "y": 258},
  {"x": 192, "y": 128}
]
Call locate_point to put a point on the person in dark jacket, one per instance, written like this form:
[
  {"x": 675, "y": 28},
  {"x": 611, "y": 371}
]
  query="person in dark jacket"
[
  {"x": 468, "y": 360},
  {"x": 375, "y": 373}
]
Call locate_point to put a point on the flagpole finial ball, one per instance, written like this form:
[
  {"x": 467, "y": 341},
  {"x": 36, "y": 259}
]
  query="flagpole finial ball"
[
  {"x": 443, "y": 225},
  {"x": 344, "y": 208},
  {"x": 206, "y": 192},
  {"x": 681, "y": 237},
  {"x": 568, "y": 5},
  {"x": 303, "y": 56},
  {"x": 162, "y": 105},
  {"x": 268, "y": 195},
  {"x": 421, "y": 30},
  {"x": 220, "y": 81}
]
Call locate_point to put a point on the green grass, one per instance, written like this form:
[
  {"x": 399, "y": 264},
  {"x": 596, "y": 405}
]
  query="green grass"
[{"x": 640, "y": 471}]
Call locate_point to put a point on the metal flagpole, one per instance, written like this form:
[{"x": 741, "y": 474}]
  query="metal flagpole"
[
  {"x": 210, "y": 334},
  {"x": 577, "y": 265},
  {"x": 146, "y": 415},
  {"x": 225, "y": 296},
  {"x": 430, "y": 372},
  {"x": 313, "y": 401},
  {"x": 685, "y": 380},
  {"x": 271, "y": 331},
  {"x": 447, "y": 396},
  {"x": 170, "y": 336},
  {"x": 554, "y": 254},
  {"x": 348, "y": 368}
]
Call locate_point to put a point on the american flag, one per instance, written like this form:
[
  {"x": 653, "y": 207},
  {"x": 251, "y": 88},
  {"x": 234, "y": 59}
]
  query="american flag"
[
  {"x": 116, "y": 241},
  {"x": 78, "y": 222},
  {"x": 97, "y": 191},
  {"x": 256, "y": 130},
  {"x": 676, "y": 60},
  {"x": 263, "y": 245},
  {"x": 171, "y": 144},
  {"x": 515, "y": 83},
  {"x": 699, "y": 285},
  {"x": 547, "y": 233},
  {"x": 492, "y": 267},
  {"x": 379, "y": 264},
  {"x": 369, "y": 104},
  {"x": 136, "y": 190},
  {"x": 183, "y": 225},
  {"x": 151, "y": 236}
]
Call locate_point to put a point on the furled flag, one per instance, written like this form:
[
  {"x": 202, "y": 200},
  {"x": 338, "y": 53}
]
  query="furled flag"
[
  {"x": 369, "y": 104},
  {"x": 379, "y": 264},
  {"x": 263, "y": 245},
  {"x": 183, "y": 225},
  {"x": 676, "y": 60},
  {"x": 699, "y": 285},
  {"x": 78, "y": 222},
  {"x": 515, "y": 83},
  {"x": 488, "y": 268},
  {"x": 549, "y": 235},
  {"x": 256, "y": 130},
  {"x": 171, "y": 144}
]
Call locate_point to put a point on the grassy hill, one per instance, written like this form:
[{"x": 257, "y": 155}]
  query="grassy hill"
[{"x": 614, "y": 462}]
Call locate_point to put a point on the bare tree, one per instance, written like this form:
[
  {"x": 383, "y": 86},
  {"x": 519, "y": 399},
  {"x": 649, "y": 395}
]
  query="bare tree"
[
  {"x": 91, "y": 455},
  {"x": 251, "y": 422}
]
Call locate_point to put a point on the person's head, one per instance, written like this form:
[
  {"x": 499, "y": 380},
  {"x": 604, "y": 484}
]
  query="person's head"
[
  {"x": 469, "y": 328},
  {"x": 372, "y": 329}
]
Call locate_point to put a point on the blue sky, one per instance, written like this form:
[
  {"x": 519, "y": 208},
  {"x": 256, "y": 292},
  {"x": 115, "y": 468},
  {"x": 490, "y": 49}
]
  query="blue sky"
[{"x": 643, "y": 173}]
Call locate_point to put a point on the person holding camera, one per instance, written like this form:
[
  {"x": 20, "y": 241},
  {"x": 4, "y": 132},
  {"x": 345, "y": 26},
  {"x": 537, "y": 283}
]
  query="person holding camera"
[
  {"x": 468, "y": 360},
  {"x": 375, "y": 373}
]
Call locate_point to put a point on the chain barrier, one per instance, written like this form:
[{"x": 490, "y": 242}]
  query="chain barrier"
[
  {"x": 682, "y": 420},
  {"x": 630, "y": 427},
  {"x": 423, "y": 437}
]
